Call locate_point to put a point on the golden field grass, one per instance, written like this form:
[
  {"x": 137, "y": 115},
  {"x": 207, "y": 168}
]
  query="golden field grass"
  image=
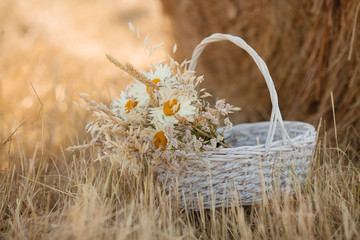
[
  {"x": 72, "y": 197},
  {"x": 49, "y": 54}
]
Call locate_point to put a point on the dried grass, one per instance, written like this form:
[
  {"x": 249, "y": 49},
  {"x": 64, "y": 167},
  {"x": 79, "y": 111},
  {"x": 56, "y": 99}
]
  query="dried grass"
[{"x": 76, "y": 198}]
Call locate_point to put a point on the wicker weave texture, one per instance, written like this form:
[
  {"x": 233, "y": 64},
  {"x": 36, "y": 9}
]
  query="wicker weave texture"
[
  {"x": 266, "y": 156},
  {"x": 244, "y": 170}
]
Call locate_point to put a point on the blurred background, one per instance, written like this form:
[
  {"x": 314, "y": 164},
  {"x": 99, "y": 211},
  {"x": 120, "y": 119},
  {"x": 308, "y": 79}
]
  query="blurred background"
[{"x": 51, "y": 51}]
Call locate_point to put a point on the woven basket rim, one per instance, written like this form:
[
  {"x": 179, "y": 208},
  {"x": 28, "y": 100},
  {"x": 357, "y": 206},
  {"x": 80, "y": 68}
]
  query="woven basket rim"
[{"x": 262, "y": 146}]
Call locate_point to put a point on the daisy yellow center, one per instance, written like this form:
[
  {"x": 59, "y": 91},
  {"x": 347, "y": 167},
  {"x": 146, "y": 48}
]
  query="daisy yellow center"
[
  {"x": 155, "y": 81},
  {"x": 129, "y": 105},
  {"x": 160, "y": 140},
  {"x": 171, "y": 107}
]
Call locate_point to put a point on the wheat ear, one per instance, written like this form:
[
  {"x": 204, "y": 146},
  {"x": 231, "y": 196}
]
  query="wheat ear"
[
  {"x": 133, "y": 72},
  {"x": 153, "y": 98}
]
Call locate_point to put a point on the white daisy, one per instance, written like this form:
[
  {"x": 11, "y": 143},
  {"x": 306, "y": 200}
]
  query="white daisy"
[
  {"x": 172, "y": 102},
  {"x": 162, "y": 76},
  {"x": 158, "y": 137},
  {"x": 162, "y": 72},
  {"x": 126, "y": 107}
]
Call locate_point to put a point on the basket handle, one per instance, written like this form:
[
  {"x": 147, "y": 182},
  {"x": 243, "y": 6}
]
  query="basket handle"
[{"x": 275, "y": 112}]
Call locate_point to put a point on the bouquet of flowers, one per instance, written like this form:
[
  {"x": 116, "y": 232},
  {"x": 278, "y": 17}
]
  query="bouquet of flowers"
[{"x": 160, "y": 117}]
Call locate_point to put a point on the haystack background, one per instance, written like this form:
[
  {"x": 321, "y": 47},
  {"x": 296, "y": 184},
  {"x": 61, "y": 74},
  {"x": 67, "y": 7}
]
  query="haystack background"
[{"x": 312, "y": 48}]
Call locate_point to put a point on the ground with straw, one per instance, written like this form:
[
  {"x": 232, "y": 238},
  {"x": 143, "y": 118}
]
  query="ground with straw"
[{"x": 77, "y": 198}]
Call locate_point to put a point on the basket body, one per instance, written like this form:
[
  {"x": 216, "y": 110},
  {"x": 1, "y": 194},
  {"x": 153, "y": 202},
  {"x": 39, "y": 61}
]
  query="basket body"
[
  {"x": 266, "y": 157},
  {"x": 246, "y": 172}
]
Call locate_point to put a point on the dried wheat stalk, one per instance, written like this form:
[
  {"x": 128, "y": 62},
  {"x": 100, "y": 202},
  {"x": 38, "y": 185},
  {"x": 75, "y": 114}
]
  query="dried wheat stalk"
[{"x": 133, "y": 72}]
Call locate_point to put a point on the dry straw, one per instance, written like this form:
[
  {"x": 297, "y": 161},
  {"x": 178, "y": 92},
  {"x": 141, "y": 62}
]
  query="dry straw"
[{"x": 266, "y": 156}]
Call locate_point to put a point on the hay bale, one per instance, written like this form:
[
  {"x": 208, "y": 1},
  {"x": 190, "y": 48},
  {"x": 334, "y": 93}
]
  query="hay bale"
[{"x": 311, "y": 48}]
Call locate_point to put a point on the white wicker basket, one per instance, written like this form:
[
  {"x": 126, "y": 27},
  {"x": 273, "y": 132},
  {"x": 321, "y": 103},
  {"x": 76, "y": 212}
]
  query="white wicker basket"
[{"x": 265, "y": 156}]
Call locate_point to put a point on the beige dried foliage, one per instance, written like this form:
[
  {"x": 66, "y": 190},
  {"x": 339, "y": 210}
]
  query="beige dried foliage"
[
  {"x": 201, "y": 132},
  {"x": 77, "y": 198},
  {"x": 199, "y": 120}
]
